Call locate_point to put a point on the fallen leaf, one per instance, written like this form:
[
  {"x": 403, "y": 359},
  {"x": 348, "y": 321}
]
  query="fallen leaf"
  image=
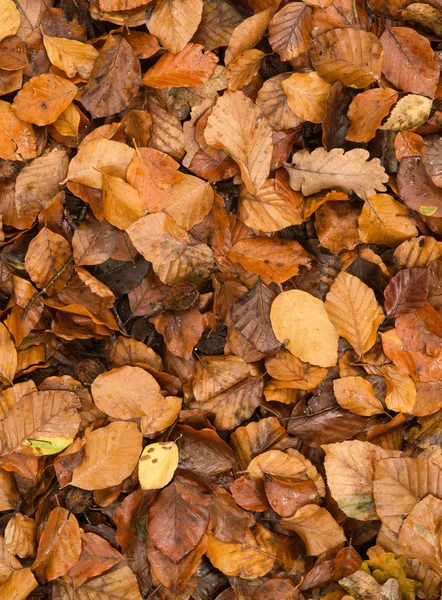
[
  {"x": 410, "y": 111},
  {"x": 357, "y": 395},
  {"x": 10, "y": 19},
  {"x": 93, "y": 242},
  {"x": 289, "y": 30},
  {"x": 352, "y": 308},
  {"x": 59, "y": 547},
  {"x": 111, "y": 454},
  {"x": 237, "y": 127},
  {"x": 352, "y": 56},
  {"x": 48, "y": 261},
  {"x": 247, "y": 34},
  {"x": 384, "y": 220},
  {"x": 417, "y": 189},
  {"x": 362, "y": 583},
  {"x": 316, "y": 527},
  {"x": 158, "y": 238},
  {"x": 334, "y": 218},
  {"x": 173, "y": 23},
  {"x": 19, "y": 585},
  {"x": 300, "y": 322},
  {"x": 401, "y": 390},
  {"x": 407, "y": 291},
  {"x": 272, "y": 101},
  {"x": 120, "y": 582},
  {"x": 219, "y": 19},
  {"x": 306, "y": 95},
  {"x": 17, "y": 137},
  {"x": 97, "y": 556},
  {"x": 71, "y": 56},
  {"x": 181, "y": 331},
  {"x": 243, "y": 68},
  {"x": 157, "y": 465},
  {"x": 122, "y": 204},
  {"x": 366, "y": 112},
  {"x": 20, "y": 536},
  {"x": 409, "y": 61},
  {"x": 314, "y": 171},
  {"x": 190, "y": 67},
  {"x": 102, "y": 96},
  {"x": 42, "y": 99},
  {"x": 8, "y": 356}
]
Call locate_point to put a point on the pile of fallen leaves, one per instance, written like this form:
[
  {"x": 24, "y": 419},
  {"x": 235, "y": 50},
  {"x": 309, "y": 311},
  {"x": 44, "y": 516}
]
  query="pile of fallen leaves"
[{"x": 221, "y": 300}]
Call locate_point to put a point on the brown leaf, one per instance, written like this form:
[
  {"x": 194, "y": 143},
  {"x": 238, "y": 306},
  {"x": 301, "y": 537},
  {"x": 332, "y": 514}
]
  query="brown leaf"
[
  {"x": 17, "y": 138},
  {"x": 366, "y": 112},
  {"x": 407, "y": 143},
  {"x": 352, "y": 56},
  {"x": 334, "y": 219},
  {"x": 20, "y": 536},
  {"x": 384, "y": 220},
  {"x": 421, "y": 331},
  {"x": 93, "y": 242},
  {"x": 107, "y": 92},
  {"x": 219, "y": 19},
  {"x": 181, "y": 331},
  {"x": 8, "y": 562},
  {"x": 49, "y": 258},
  {"x": 273, "y": 258},
  {"x": 350, "y": 171},
  {"x": 158, "y": 238},
  {"x": 42, "y": 99},
  {"x": 117, "y": 5},
  {"x": 59, "y": 547},
  {"x": 286, "y": 496},
  {"x": 8, "y": 356},
  {"x": 237, "y": 127},
  {"x": 417, "y": 189},
  {"x": 247, "y": 34},
  {"x": 357, "y": 395},
  {"x": 190, "y": 67},
  {"x": 307, "y": 95},
  {"x": 174, "y": 22},
  {"x": 317, "y": 528},
  {"x": 126, "y": 393},
  {"x": 111, "y": 454},
  {"x": 249, "y": 494},
  {"x": 167, "y": 129},
  {"x": 147, "y": 298},
  {"x": 272, "y": 101},
  {"x": 300, "y": 322},
  {"x": 285, "y": 367},
  {"x": 409, "y": 61},
  {"x": 9, "y": 495},
  {"x": 178, "y": 518},
  {"x": 120, "y": 582},
  {"x": 354, "y": 311},
  {"x": 289, "y": 30},
  {"x": 97, "y": 556},
  {"x": 19, "y": 585},
  {"x": 431, "y": 159},
  {"x": 243, "y": 68}
]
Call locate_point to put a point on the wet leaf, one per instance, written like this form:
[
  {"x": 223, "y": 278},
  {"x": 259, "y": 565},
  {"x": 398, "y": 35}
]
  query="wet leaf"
[
  {"x": 366, "y": 112},
  {"x": 357, "y": 395}
]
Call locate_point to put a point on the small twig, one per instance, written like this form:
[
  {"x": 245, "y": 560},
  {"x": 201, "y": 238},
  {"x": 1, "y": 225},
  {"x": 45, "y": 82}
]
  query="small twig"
[
  {"x": 120, "y": 323},
  {"x": 33, "y": 300}
]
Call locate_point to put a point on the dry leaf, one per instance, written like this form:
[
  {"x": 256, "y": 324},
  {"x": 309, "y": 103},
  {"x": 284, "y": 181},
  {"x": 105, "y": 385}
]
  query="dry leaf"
[
  {"x": 17, "y": 137},
  {"x": 118, "y": 583},
  {"x": 48, "y": 261},
  {"x": 289, "y": 30},
  {"x": 245, "y": 560},
  {"x": 366, "y": 112},
  {"x": 247, "y": 34},
  {"x": 158, "y": 238},
  {"x": 237, "y": 127},
  {"x": 20, "y": 536},
  {"x": 416, "y": 187},
  {"x": 10, "y": 19},
  {"x": 272, "y": 101},
  {"x": 19, "y": 585},
  {"x": 243, "y": 69},
  {"x": 219, "y": 19},
  {"x": 97, "y": 556},
  {"x": 314, "y": 171},
  {"x": 332, "y": 220},
  {"x": 8, "y": 356},
  {"x": 111, "y": 454},
  {"x": 173, "y": 22},
  {"x": 384, "y": 220},
  {"x": 352, "y": 56},
  {"x": 306, "y": 95},
  {"x": 157, "y": 465},
  {"x": 354, "y": 311},
  {"x": 70, "y": 56},
  {"x": 410, "y": 111},
  {"x": 42, "y": 99},
  {"x": 401, "y": 391},
  {"x": 300, "y": 322},
  {"x": 122, "y": 204},
  {"x": 357, "y": 395}
]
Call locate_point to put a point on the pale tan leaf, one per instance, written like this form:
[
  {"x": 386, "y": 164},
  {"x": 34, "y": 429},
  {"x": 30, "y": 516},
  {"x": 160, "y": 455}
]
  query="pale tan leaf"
[
  {"x": 8, "y": 562},
  {"x": 247, "y": 34},
  {"x": 11, "y": 19},
  {"x": 410, "y": 111},
  {"x": 300, "y": 322},
  {"x": 126, "y": 393},
  {"x": 115, "y": 584},
  {"x": 111, "y": 454},
  {"x": 157, "y": 465},
  {"x": 353, "y": 309},
  {"x": 279, "y": 464},
  {"x": 173, "y": 22},
  {"x": 215, "y": 374},
  {"x": 97, "y": 157},
  {"x": 265, "y": 210},
  {"x": 317, "y": 528},
  {"x": 70, "y": 56},
  {"x": 356, "y": 394},
  {"x": 353, "y": 56},
  {"x": 401, "y": 390},
  {"x": 196, "y": 263},
  {"x": 237, "y": 126},
  {"x": 351, "y": 171},
  {"x": 122, "y": 204},
  {"x": 21, "y": 536},
  {"x": 306, "y": 95},
  {"x": 289, "y": 30},
  {"x": 384, "y": 220},
  {"x": 400, "y": 483},
  {"x": 243, "y": 68},
  {"x": 292, "y": 372},
  {"x": 191, "y": 200},
  {"x": 350, "y": 469},
  {"x": 272, "y": 101},
  {"x": 420, "y": 534}
]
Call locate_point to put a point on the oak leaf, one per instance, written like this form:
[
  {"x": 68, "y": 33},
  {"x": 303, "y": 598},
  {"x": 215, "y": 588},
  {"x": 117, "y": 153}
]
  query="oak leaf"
[
  {"x": 314, "y": 171},
  {"x": 42, "y": 99},
  {"x": 300, "y": 322},
  {"x": 237, "y": 126}
]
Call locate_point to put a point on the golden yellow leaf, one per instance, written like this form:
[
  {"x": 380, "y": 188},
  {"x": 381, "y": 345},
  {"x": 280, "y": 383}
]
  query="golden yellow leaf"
[
  {"x": 247, "y": 34},
  {"x": 10, "y": 19},
  {"x": 306, "y": 95},
  {"x": 410, "y": 111},
  {"x": 353, "y": 309},
  {"x": 122, "y": 204},
  {"x": 417, "y": 252},
  {"x": 401, "y": 390},
  {"x": 18, "y": 585},
  {"x": 300, "y": 322},
  {"x": 384, "y": 220},
  {"x": 244, "y": 560},
  {"x": 173, "y": 22},
  {"x": 70, "y": 56},
  {"x": 157, "y": 465},
  {"x": 317, "y": 528},
  {"x": 292, "y": 372},
  {"x": 356, "y": 394}
]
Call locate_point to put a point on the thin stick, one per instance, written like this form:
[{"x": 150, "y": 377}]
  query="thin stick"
[{"x": 33, "y": 300}]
